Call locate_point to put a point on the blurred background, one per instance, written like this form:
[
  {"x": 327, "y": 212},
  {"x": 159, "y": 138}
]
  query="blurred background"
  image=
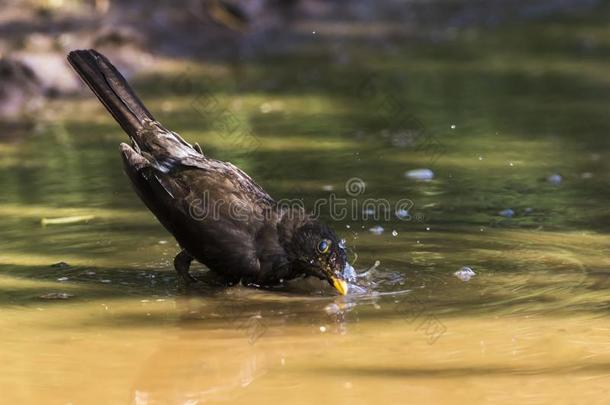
[{"x": 490, "y": 117}]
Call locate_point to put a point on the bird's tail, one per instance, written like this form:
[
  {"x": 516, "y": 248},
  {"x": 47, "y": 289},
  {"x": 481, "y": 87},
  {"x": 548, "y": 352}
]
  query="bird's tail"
[{"x": 112, "y": 89}]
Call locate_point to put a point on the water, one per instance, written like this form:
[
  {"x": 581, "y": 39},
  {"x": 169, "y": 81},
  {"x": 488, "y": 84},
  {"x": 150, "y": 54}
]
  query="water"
[{"x": 491, "y": 114}]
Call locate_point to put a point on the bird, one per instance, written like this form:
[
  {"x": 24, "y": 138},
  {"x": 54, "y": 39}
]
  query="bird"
[{"x": 218, "y": 214}]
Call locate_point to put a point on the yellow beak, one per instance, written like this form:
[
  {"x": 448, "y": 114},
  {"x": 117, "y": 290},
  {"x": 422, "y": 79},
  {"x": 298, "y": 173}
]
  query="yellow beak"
[{"x": 340, "y": 285}]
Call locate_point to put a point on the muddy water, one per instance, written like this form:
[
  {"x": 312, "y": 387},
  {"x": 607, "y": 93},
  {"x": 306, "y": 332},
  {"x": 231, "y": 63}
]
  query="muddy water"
[{"x": 91, "y": 311}]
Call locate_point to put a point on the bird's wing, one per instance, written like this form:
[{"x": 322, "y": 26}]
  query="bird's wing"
[
  {"x": 169, "y": 153},
  {"x": 213, "y": 209}
]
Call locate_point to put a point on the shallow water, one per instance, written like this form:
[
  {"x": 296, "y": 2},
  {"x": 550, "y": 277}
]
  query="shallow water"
[{"x": 491, "y": 114}]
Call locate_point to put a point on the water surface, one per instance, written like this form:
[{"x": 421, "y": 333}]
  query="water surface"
[{"x": 493, "y": 113}]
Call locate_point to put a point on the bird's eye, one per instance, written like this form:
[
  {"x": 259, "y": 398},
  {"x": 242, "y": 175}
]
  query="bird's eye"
[{"x": 324, "y": 246}]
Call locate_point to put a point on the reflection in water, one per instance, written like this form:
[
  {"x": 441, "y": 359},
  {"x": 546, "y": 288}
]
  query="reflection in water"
[
  {"x": 218, "y": 349},
  {"x": 190, "y": 368},
  {"x": 221, "y": 345}
]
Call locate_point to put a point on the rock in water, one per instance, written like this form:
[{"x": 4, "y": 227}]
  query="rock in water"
[
  {"x": 56, "y": 296},
  {"x": 403, "y": 214},
  {"x": 554, "y": 179},
  {"x": 420, "y": 174},
  {"x": 465, "y": 273},
  {"x": 377, "y": 230},
  {"x": 507, "y": 213}
]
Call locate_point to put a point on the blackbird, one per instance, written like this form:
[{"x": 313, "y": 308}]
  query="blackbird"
[{"x": 216, "y": 212}]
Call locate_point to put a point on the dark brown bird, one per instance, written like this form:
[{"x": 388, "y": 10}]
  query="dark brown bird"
[{"x": 216, "y": 212}]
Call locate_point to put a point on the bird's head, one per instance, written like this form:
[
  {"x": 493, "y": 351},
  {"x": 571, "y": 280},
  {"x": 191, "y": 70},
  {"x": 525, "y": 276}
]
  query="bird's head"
[{"x": 317, "y": 251}]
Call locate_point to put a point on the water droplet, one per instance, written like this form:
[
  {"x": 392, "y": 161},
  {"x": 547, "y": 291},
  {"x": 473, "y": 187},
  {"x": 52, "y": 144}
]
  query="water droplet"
[
  {"x": 349, "y": 273},
  {"x": 368, "y": 212},
  {"x": 332, "y": 309},
  {"x": 402, "y": 213},
  {"x": 394, "y": 233},
  {"x": 377, "y": 230}
]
